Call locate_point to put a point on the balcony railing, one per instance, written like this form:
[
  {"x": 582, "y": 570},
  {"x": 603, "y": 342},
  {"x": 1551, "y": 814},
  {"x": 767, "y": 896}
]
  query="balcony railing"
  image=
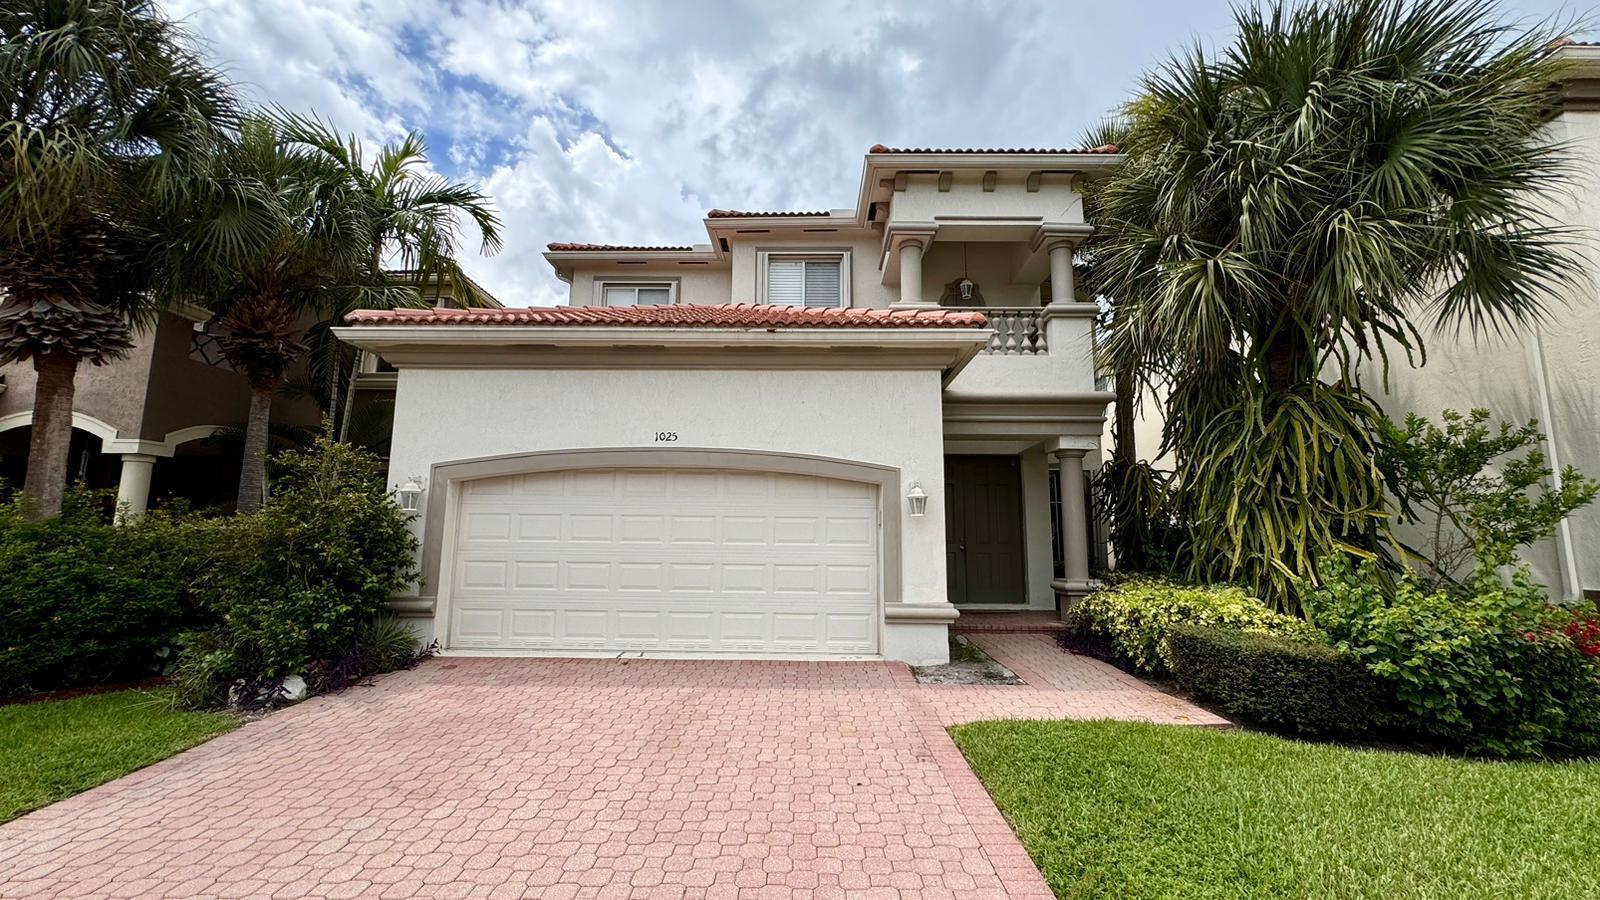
[{"x": 1018, "y": 330}]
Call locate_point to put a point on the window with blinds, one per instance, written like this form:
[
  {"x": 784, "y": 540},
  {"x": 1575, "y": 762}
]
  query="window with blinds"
[
  {"x": 637, "y": 294},
  {"x": 804, "y": 282}
]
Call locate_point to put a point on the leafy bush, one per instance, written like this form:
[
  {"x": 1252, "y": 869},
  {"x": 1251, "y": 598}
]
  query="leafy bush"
[
  {"x": 1308, "y": 687},
  {"x": 84, "y": 602},
  {"x": 1477, "y": 504},
  {"x": 1490, "y": 668},
  {"x": 300, "y": 582},
  {"x": 1133, "y": 619}
]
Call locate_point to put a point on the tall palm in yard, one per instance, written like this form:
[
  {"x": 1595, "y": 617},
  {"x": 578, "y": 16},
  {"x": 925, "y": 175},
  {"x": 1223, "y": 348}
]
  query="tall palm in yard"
[
  {"x": 1339, "y": 178},
  {"x": 105, "y": 110},
  {"x": 412, "y": 220},
  {"x": 268, "y": 241}
]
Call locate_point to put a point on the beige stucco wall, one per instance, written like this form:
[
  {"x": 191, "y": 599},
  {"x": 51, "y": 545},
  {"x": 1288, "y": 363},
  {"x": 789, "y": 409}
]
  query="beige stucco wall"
[
  {"x": 696, "y": 284},
  {"x": 157, "y": 389},
  {"x": 113, "y": 393},
  {"x": 1057, "y": 199},
  {"x": 893, "y": 419}
]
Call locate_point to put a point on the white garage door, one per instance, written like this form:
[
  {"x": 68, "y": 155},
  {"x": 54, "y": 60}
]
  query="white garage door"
[{"x": 677, "y": 560}]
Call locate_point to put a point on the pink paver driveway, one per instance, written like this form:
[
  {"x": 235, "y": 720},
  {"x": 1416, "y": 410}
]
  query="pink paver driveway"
[{"x": 582, "y": 778}]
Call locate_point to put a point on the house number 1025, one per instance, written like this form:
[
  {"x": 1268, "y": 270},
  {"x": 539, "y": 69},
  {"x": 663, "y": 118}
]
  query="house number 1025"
[{"x": 666, "y": 437}]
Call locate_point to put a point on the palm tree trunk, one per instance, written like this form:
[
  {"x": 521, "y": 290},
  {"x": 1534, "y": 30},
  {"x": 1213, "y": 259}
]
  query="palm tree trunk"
[
  {"x": 1124, "y": 445},
  {"x": 1286, "y": 360},
  {"x": 53, "y": 394},
  {"x": 253, "y": 474}
]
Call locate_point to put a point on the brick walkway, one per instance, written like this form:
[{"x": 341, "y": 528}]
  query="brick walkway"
[{"x": 583, "y": 778}]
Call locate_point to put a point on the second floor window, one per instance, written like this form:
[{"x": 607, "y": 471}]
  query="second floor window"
[
  {"x": 637, "y": 294},
  {"x": 805, "y": 281}
]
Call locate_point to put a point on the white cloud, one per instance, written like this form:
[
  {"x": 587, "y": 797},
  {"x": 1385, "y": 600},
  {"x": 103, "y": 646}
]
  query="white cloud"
[{"x": 604, "y": 120}]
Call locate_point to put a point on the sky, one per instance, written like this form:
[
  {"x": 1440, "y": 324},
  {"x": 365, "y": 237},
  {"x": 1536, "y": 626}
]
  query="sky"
[{"x": 624, "y": 121}]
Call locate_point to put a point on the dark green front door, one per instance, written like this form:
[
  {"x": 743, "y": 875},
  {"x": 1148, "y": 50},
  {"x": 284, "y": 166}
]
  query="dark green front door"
[{"x": 983, "y": 529}]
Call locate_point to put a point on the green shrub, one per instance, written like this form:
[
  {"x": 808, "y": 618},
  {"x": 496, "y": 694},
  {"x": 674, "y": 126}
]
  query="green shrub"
[
  {"x": 298, "y": 584},
  {"x": 83, "y": 602},
  {"x": 1488, "y": 668},
  {"x": 1300, "y": 686},
  {"x": 1133, "y": 618}
]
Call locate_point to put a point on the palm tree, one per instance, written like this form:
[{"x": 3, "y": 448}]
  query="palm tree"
[
  {"x": 106, "y": 109},
  {"x": 1309, "y": 199},
  {"x": 268, "y": 240},
  {"x": 412, "y": 219}
]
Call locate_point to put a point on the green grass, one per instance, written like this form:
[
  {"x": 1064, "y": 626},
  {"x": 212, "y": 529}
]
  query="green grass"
[
  {"x": 52, "y": 750},
  {"x": 1130, "y": 811}
]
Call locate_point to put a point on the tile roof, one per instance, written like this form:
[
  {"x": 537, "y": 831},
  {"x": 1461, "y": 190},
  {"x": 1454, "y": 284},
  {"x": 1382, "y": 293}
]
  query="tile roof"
[
  {"x": 602, "y": 248},
  {"x": 741, "y": 214},
  {"x": 739, "y": 315},
  {"x": 1103, "y": 148}
]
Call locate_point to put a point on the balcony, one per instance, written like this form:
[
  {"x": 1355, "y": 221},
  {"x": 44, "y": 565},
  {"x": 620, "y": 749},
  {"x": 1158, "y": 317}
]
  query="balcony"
[
  {"x": 1035, "y": 353},
  {"x": 1018, "y": 330}
]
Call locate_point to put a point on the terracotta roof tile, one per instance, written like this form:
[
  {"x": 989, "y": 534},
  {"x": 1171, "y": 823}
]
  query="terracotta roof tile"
[
  {"x": 742, "y": 214},
  {"x": 602, "y": 248},
  {"x": 1103, "y": 148},
  {"x": 739, "y": 315}
]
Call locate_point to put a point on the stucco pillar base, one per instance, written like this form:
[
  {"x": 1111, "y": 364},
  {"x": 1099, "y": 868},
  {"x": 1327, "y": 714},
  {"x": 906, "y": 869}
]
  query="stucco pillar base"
[
  {"x": 1068, "y": 593},
  {"x": 918, "y": 634},
  {"x": 133, "y": 488}
]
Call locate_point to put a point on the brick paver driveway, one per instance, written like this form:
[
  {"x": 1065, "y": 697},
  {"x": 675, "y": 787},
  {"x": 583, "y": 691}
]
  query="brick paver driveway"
[{"x": 582, "y": 778}]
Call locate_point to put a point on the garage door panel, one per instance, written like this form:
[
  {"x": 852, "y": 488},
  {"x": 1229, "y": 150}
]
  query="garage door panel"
[{"x": 700, "y": 561}]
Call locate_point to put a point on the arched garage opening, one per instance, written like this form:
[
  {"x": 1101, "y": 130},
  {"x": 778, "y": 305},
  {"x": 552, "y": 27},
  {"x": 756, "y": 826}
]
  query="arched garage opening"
[{"x": 702, "y": 552}]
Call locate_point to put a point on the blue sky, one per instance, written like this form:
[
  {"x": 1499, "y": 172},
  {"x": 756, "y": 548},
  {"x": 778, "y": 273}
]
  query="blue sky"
[{"x": 613, "y": 121}]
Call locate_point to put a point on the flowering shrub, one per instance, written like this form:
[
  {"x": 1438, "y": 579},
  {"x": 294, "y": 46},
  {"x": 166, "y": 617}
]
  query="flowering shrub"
[
  {"x": 1584, "y": 631},
  {"x": 1492, "y": 668},
  {"x": 1134, "y": 619}
]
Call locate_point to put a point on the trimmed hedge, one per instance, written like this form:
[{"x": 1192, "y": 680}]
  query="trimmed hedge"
[
  {"x": 1127, "y": 624},
  {"x": 83, "y": 602},
  {"x": 1310, "y": 688}
]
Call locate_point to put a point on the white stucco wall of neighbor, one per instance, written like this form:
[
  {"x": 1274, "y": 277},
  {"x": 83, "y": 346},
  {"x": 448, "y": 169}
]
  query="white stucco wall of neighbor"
[
  {"x": 885, "y": 418},
  {"x": 1550, "y": 372}
]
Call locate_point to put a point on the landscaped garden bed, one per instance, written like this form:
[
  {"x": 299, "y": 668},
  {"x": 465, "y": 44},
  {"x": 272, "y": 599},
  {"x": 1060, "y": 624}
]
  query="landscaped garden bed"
[
  {"x": 53, "y": 749},
  {"x": 1135, "y": 811}
]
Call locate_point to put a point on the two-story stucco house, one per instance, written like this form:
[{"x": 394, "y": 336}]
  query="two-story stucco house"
[{"x": 816, "y": 434}]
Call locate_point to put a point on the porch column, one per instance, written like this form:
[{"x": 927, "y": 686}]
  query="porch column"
[
  {"x": 1074, "y": 519},
  {"x": 133, "y": 489},
  {"x": 911, "y": 274},
  {"x": 1062, "y": 288}
]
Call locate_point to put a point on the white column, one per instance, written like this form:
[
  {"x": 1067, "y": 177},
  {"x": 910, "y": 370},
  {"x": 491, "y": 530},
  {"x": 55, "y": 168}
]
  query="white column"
[
  {"x": 911, "y": 274},
  {"x": 1074, "y": 519},
  {"x": 1062, "y": 289},
  {"x": 133, "y": 489}
]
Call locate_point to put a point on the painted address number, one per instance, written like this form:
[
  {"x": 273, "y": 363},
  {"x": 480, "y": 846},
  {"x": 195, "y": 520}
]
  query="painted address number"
[{"x": 666, "y": 437}]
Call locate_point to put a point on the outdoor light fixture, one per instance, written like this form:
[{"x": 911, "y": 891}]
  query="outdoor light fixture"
[
  {"x": 918, "y": 499},
  {"x": 410, "y": 494},
  {"x": 966, "y": 287}
]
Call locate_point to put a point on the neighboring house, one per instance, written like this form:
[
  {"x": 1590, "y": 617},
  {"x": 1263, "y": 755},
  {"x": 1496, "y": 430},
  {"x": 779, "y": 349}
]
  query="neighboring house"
[
  {"x": 1550, "y": 372},
  {"x": 143, "y": 424},
  {"x": 819, "y": 433}
]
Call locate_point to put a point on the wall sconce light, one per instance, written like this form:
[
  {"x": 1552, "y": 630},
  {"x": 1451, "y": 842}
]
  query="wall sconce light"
[
  {"x": 917, "y": 499},
  {"x": 410, "y": 494}
]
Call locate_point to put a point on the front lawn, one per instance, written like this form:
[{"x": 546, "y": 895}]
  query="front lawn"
[
  {"x": 52, "y": 750},
  {"x": 1126, "y": 810}
]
